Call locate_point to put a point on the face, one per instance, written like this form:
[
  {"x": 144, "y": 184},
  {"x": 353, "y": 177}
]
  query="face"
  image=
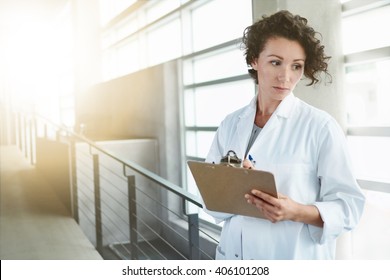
[{"x": 279, "y": 68}]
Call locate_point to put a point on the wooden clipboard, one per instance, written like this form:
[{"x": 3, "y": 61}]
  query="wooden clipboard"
[{"x": 223, "y": 187}]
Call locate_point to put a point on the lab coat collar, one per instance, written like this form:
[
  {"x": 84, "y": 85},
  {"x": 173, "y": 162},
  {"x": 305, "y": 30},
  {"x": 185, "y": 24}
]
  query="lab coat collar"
[
  {"x": 284, "y": 109},
  {"x": 247, "y": 117}
]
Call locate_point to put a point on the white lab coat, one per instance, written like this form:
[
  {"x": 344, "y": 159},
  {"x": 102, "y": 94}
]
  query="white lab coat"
[{"x": 306, "y": 150}]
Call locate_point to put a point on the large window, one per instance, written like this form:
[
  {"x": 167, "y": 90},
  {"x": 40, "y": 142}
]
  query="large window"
[
  {"x": 372, "y": 25},
  {"x": 367, "y": 70},
  {"x": 214, "y": 75},
  {"x": 226, "y": 20},
  {"x": 368, "y": 97},
  {"x": 140, "y": 34}
]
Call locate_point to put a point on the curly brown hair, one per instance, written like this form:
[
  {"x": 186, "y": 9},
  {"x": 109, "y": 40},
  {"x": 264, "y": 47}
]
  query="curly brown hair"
[{"x": 292, "y": 27}]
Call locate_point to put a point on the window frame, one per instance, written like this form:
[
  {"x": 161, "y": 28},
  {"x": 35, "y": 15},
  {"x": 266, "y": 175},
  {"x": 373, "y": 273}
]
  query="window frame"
[{"x": 351, "y": 8}]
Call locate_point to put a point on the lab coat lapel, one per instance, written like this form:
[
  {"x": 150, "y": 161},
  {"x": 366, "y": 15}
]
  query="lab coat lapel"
[
  {"x": 283, "y": 111},
  {"x": 244, "y": 127}
]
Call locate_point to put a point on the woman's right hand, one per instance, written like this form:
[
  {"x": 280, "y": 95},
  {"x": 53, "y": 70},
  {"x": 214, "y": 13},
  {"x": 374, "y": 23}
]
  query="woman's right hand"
[{"x": 248, "y": 164}]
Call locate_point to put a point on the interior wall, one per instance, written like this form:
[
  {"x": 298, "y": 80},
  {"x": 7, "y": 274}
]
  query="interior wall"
[
  {"x": 144, "y": 104},
  {"x": 52, "y": 160}
]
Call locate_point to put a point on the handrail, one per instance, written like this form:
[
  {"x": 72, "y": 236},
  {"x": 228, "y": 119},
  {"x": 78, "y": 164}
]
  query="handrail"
[
  {"x": 97, "y": 202},
  {"x": 132, "y": 165}
]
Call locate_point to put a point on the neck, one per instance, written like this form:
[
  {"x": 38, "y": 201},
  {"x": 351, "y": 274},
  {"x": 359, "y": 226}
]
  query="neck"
[{"x": 266, "y": 107}]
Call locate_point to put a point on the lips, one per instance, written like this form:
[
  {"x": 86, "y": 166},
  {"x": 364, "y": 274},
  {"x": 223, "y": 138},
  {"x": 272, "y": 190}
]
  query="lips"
[{"x": 281, "y": 89}]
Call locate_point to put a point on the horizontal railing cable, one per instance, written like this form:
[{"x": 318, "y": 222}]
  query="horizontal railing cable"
[
  {"x": 86, "y": 188},
  {"x": 162, "y": 238},
  {"x": 159, "y": 203},
  {"x": 116, "y": 215},
  {"x": 120, "y": 177},
  {"x": 162, "y": 222},
  {"x": 119, "y": 242},
  {"x": 122, "y": 203},
  {"x": 110, "y": 195},
  {"x": 149, "y": 244}
]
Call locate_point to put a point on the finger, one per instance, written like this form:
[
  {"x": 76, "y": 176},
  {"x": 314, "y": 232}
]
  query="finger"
[
  {"x": 256, "y": 202},
  {"x": 247, "y": 164},
  {"x": 255, "y": 199},
  {"x": 266, "y": 197}
]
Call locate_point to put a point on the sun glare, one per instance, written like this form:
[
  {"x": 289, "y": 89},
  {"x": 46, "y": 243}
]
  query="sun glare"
[{"x": 36, "y": 51}]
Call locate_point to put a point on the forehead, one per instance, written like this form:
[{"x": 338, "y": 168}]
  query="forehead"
[{"x": 283, "y": 47}]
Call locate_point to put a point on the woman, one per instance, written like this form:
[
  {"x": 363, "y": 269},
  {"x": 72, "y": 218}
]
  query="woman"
[{"x": 302, "y": 146}]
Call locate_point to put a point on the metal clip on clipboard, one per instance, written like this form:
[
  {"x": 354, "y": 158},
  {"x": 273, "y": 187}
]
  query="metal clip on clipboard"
[{"x": 231, "y": 159}]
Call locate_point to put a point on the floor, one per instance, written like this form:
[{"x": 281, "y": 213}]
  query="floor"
[{"x": 34, "y": 224}]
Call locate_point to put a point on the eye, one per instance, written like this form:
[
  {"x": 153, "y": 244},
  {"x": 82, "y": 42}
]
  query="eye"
[
  {"x": 297, "y": 67},
  {"x": 275, "y": 62}
]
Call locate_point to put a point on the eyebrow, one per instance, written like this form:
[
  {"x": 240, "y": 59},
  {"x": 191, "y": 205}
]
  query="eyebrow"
[{"x": 280, "y": 57}]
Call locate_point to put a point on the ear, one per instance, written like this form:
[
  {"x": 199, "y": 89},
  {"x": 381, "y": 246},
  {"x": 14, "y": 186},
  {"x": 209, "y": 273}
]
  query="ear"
[{"x": 254, "y": 64}]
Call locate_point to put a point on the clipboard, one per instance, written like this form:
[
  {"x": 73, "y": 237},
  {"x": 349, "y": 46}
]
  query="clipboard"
[{"x": 223, "y": 187}]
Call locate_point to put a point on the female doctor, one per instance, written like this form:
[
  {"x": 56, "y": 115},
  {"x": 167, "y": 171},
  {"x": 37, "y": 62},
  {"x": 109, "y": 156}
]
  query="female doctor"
[{"x": 302, "y": 146}]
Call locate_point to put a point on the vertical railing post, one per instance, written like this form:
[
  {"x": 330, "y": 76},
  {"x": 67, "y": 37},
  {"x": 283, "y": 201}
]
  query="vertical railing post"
[
  {"x": 45, "y": 131},
  {"x": 19, "y": 117},
  {"x": 58, "y": 135},
  {"x": 35, "y": 136},
  {"x": 31, "y": 123},
  {"x": 193, "y": 236},
  {"x": 25, "y": 136},
  {"x": 98, "y": 212},
  {"x": 73, "y": 179},
  {"x": 132, "y": 217}
]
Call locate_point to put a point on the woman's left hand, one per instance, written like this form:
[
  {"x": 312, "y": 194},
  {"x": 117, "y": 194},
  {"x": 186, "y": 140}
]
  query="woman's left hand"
[
  {"x": 274, "y": 209},
  {"x": 283, "y": 208}
]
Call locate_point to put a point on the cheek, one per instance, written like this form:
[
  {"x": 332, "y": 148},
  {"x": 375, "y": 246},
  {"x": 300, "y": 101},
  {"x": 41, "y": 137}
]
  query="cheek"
[
  {"x": 297, "y": 76},
  {"x": 266, "y": 73}
]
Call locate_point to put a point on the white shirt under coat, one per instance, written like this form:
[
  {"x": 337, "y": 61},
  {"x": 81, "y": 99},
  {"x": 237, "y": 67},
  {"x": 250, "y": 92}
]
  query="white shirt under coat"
[{"x": 306, "y": 150}]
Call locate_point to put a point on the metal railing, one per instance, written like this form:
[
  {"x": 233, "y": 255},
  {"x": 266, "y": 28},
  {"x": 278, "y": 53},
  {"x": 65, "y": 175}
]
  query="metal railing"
[{"x": 121, "y": 206}]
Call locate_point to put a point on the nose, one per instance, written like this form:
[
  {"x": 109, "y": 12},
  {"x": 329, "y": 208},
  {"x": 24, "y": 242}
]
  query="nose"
[{"x": 284, "y": 75}]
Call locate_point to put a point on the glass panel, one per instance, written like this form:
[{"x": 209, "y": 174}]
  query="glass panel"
[
  {"x": 368, "y": 96},
  {"x": 127, "y": 27},
  {"x": 128, "y": 58},
  {"x": 107, "y": 65},
  {"x": 122, "y": 60},
  {"x": 370, "y": 239},
  {"x": 160, "y": 8},
  {"x": 192, "y": 188},
  {"x": 219, "y": 21},
  {"x": 198, "y": 143},
  {"x": 111, "y": 8},
  {"x": 213, "y": 103},
  {"x": 368, "y": 30},
  {"x": 191, "y": 144},
  {"x": 227, "y": 63},
  {"x": 189, "y": 108},
  {"x": 164, "y": 43},
  {"x": 371, "y": 157}
]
